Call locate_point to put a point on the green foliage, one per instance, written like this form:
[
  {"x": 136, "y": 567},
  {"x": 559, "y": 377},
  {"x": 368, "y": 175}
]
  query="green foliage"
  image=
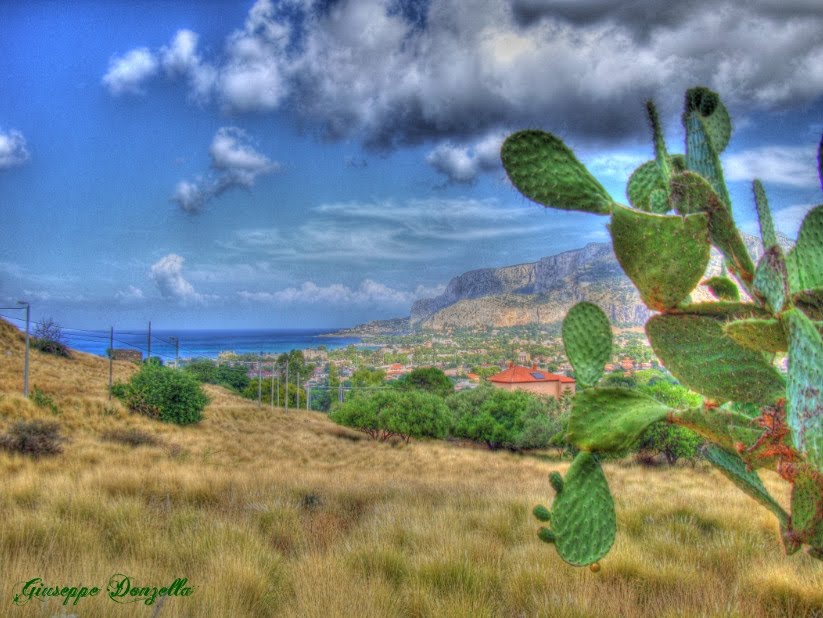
[
  {"x": 587, "y": 338},
  {"x": 42, "y": 400},
  {"x": 583, "y": 521},
  {"x": 208, "y": 372},
  {"x": 383, "y": 414},
  {"x": 364, "y": 378},
  {"x": 33, "y": 438},
  {"x": 165, "y": 394},
  {"x": 429, "y": 379},
  {"x": 499, "y": 418},
  {"x": 723, "y": 350}
]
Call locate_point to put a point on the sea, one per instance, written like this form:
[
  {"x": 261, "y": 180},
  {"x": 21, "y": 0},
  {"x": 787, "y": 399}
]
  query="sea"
[{"x": 206, "y": 343}]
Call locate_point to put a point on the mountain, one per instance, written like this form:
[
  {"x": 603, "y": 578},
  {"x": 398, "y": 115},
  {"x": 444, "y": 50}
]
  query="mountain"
[{"x": 538, "y": 293}]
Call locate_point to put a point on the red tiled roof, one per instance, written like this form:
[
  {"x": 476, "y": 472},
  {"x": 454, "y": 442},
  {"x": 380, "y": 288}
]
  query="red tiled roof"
[{"x": 517, "y": 374}]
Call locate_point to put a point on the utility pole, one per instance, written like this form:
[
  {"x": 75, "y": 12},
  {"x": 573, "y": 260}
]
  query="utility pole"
[
  {"x": 259, "y": 385},
  {"x": 26, "y": 362},
  {"x": 287, "y": 384},
  {"x": 308, "y": 398},
  {"x": 272, "y": 386},
  {"x": 278, "y": 388},
  {"x": 298, "y": 390},
  {"x": 149, "y": 356},
  {"x": 111, "y": 359}
]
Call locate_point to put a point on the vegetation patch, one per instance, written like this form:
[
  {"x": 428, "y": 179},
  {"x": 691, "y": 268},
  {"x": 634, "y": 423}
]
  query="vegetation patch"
[{"x": 33, "y": 438}]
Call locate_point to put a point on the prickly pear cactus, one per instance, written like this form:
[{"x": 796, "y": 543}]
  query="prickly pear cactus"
[{"x": 724, "y": 350}]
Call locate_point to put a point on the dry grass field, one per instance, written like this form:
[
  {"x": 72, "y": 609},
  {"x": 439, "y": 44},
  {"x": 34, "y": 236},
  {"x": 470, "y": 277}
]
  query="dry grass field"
[{"x": 274, "y": 514}]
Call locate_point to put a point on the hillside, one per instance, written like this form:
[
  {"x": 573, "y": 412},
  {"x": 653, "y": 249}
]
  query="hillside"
[{"x": 267, "y": 513}]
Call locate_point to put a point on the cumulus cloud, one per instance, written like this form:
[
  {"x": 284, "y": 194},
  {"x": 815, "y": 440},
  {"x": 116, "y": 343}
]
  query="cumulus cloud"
[
  {"x": 795, "y": 166},
  {"x": 368, "y": 293},
  {"x": 132, "y": 293},
  {"x": 181, "y": 59},
  {"x": 234, "y": 164},
  {"x": 167, "y": 274},
  {"x": 128, "y": 73},
  {"x": 13, "y": 150},
  {"x": 463, "y": 164},
  {"x": 451, "y": 70}
]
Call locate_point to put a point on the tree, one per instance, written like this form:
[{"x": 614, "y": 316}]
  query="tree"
[
  {"x": 48, "y": 337},
  {"x": 671, "y": 441},
  {"x": 383, "y": 414},
  {"x": 368, "y": 378},
  {"x": 164, "y": 394},
  {"x": 498, "y": 418},
  {"x": 209, "y": 372},
  {"x": 428, "y": 379}
]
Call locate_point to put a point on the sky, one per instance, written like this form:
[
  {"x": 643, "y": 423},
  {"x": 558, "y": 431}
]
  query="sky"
[{"x": 322, "y": 163}]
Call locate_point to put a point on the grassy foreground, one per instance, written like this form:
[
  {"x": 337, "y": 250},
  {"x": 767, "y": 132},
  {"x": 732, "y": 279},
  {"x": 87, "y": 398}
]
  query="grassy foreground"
[{"x": 289, "y": 515}]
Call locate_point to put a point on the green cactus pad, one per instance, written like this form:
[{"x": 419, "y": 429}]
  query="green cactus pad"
[
  {"x": 726, "y": 310},
  {"x": 611, "y": 420},
  {"x": 719, "y": 425},
  {"x": 805, "y": 386},
  {"x": 587, "y": 338},
  {"x": 646, "y": 179},
  {"x": 679, "y": 246},
  {"x": 556, "y": 481},
  {"x": 807, "y": 507},
  {"x": 810, "y": 302},
  {"x": 546, "y": 535},
  {"x": 764, "y": 214},
  {"x": 660, "y": 153},
  {"x": 761, "y": 335},
  {"x": 805, "y": 260},
  {"x": 734, "y": 468},
  {"x": 545, "y": 170},
  {"x": 542, "y": 513},
  {"x": 701, "y": 158},
  {"x": 697, "y": 352},
  {"x": 691, "y": 193},
  {"x": 722, "y": 288},
  {"x": 771, "y": 279},
  {"x": 714, "y": 114},
  {"x": 583, "y": 518}
]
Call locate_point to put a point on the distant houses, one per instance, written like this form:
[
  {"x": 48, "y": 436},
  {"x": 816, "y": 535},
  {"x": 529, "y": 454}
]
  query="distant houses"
[{"x": 533, "y": 380}]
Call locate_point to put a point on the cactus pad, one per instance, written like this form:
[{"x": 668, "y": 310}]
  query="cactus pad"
[
  {"x": 807, "y": 507},
  {"x": 646, "y": 179},
  {"x": 736, "y": 471},
  {"x": 764, "y": 215},
  {"x": 612, "y": 419},
  {"x": 719, "y": 425},
  {"x": 542, "y": 513},
  {"x": 806, "y": 258},
  {"x": 697, "y": 352},
  {"x": 680, "y": 246},
  {"x": 587, "y": 338},
  {"x": 714, "y": 114},
  {"x": 545, "y": 170},
  {"x": 805, "y": 387},
  {"x": 722, "y": 288},
  {"x": 691, "y": 193},
  {"x": 761, "y": 335},
  {"x": 771, "y": 280},
  {"x": 583, "y": 518}
]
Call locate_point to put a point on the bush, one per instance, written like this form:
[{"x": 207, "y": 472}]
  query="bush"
[
  {"x": 48, "y": 337},
  {"x": 164, "y": 394},
  {"x": 41, "y": 400},
  {"x": 33, "y": 438},
  {"x": 383, "y": 414},
  {"x": 504, "y": 419},
  {"x": 671, "y": 441},
  {"x": 209, "y": 372}
]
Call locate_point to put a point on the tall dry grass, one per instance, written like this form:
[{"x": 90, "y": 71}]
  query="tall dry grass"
[{"x": 268, "y": 513}]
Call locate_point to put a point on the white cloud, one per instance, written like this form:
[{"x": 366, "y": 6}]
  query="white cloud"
[
  {"x": 617, "y": 165},
  {"x": 369, "y": 293},
  {"x": 13, "y": 150},
  {"x": 128, "y": 73},
  {"x": 167, "y": 274},
  {"x": 181, "y": 58},
  {"x": 463, "y": 164},
  {"x": 795, "y": 166},
  {"x": 234, "y": 163},
  {"x": 132, "y": 293}
]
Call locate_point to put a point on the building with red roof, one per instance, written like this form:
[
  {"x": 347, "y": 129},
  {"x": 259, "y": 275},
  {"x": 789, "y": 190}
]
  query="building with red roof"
[{"x": 533, "y": 380}]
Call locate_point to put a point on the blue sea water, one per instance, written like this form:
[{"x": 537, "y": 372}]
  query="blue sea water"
[{"x": 206, "y": 343}]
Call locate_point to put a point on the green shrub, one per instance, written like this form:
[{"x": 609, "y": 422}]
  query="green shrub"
[
  {"x": 41, "y": 400},
  {"x": 383, "y": 414},
  {"x": 164, "y": 394},
  {"x": 504, "y": 419},
  {"x": 34, "y": 438},
  {"x": 209, "y": 372},
  {"x": 430, "y": 379}
]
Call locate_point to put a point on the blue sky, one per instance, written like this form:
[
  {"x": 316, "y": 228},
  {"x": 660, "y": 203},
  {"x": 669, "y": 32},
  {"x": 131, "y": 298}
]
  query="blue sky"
[{"x": 323, "y": 163}]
